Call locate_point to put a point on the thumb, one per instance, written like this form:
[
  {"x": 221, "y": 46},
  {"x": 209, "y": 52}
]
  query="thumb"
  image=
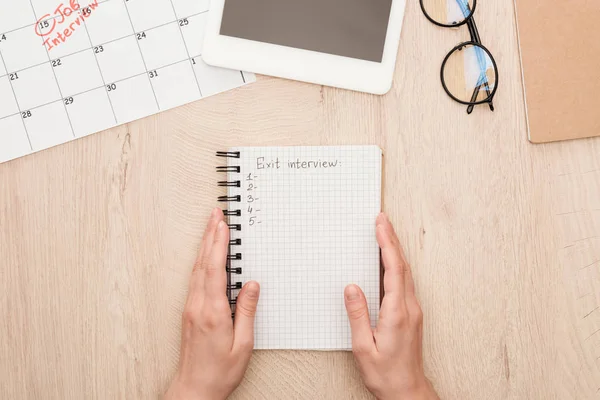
[
  {"x": 245, "y": 310},
  {"x": 358, "y": 314}
]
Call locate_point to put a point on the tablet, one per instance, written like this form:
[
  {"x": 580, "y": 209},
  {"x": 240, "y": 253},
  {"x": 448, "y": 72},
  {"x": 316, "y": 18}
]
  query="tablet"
[{"x": 351, "y": 44}]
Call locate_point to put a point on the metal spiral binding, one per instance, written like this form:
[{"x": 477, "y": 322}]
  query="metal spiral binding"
[
  {"x": 232, "y": 213},
  {"x": 236, "y": 285},
  {"x": 232, "y": 284},
  {"x": 235, "y": 169},
  {"x": 237, "y": 198},
  {"x": 230, "y": 184},
  {"x": 230, "y": 154}
]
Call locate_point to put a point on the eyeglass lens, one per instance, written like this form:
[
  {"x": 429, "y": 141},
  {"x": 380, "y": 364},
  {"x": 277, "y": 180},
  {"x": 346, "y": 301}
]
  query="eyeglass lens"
[
  {"x": 448, "y": 12},
  {"x": 469, "y": 74}
]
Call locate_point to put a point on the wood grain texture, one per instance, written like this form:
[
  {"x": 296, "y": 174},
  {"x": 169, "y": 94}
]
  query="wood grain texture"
[{"x": 98, "y": 236}]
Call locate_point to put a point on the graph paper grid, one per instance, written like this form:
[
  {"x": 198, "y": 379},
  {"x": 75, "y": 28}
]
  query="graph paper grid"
[{"x": 307, "y": 231}]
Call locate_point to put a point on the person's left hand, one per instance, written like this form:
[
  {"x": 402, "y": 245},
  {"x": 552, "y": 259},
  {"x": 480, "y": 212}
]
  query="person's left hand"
[{"x": 214, "y": 351}]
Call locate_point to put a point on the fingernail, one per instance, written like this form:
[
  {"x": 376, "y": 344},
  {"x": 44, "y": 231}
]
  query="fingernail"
[
  {"x": 214, "y": 212},
  {"x": 352, "y": 292},
  {"x": 221, "y": 225},
  {"x": 252, "y": 289},
  {"x": 385, "y": 217}
]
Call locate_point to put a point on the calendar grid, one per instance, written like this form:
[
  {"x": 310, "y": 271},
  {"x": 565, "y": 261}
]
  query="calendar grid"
[
  {"x": 35, "y": 23},
  {"x": 142, "y": 54},
  {"x": 100, "y": 87},
  {"x": 55, "y": 78},
  {"x": 18, "y": 106},
  {"x": 187, "y": 51},
  {"x": 84, "y": 57},
  {"x": 111, "y": 41},
  {"x": 112, "y": 107}
]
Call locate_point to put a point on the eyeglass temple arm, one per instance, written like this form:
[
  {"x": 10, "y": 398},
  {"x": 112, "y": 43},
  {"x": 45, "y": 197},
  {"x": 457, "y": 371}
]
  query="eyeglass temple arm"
[
  {"x": 474, "y": 32},
  {"x": 474, "y": 97}
]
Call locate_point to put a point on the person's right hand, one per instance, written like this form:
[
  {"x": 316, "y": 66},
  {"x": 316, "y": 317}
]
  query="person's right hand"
[{"x": 389, "y": 357}]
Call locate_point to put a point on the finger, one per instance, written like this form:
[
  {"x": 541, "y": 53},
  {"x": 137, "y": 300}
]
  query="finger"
[
  {"x": 393, "y": 307},
  {"x": 360, "y": 325},
  {"x": 245, "y": 311},
  {"x": 207, "y": 238},
  {"x": 215, "y": 276},
  {"x": 393, "y": 259},
  {"x": 412, "y": 302},
  {"x": 409, "y": 283},
  {"x": 197, "y": 278}
]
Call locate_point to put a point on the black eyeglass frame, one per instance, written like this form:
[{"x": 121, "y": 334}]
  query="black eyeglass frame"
[{"x": 475, "y": 41}]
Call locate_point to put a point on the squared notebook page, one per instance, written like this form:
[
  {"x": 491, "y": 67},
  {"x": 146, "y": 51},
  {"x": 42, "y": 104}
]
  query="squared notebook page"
[{"x": 307, "y": 229}]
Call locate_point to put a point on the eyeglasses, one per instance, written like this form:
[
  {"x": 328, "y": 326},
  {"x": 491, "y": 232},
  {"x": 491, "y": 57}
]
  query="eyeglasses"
[{"x": 469, "y": 73}]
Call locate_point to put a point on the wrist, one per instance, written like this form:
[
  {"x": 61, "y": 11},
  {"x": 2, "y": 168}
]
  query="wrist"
[
  {"x": 179, "y": 391},
  {"x": 176, "y": 392},
  {"x": 421, "y": 389}
]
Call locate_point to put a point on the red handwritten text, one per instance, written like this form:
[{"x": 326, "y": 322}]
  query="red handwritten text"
[{"x": 56, "y": 28}]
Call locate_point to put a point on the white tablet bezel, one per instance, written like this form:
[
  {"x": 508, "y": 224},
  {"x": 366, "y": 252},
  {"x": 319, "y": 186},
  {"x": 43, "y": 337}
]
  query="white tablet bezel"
[{"x": 300, "y": 64}]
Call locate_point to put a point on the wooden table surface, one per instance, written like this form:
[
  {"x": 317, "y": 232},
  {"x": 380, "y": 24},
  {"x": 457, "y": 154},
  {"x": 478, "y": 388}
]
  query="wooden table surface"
[{"x": 98, "y": 236}]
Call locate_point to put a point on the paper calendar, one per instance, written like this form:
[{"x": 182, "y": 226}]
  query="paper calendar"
[{"x": 69, "y": 68}]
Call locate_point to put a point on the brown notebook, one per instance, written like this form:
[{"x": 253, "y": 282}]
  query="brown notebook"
[{"x": 560, "y": 59}]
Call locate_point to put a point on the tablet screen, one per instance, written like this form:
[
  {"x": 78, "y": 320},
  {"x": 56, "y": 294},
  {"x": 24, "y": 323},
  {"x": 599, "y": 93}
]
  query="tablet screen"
[{"x": 349, "y": 28}]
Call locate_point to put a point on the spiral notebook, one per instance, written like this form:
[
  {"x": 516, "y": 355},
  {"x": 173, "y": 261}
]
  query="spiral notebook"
[{"x": 302, "y": 223}]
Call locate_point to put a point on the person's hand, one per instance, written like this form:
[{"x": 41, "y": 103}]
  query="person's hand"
[
  {"x": 389, "y": 357},
  {"x": 214, "y": 351}
]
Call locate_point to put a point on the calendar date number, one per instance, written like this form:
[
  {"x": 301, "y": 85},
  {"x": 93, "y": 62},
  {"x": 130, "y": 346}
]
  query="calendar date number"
[{"x": 66, "y": 19}]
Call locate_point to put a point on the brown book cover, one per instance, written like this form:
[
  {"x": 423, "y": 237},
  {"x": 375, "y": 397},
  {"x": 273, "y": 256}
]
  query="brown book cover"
[{"x": 560, "y": 61}]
